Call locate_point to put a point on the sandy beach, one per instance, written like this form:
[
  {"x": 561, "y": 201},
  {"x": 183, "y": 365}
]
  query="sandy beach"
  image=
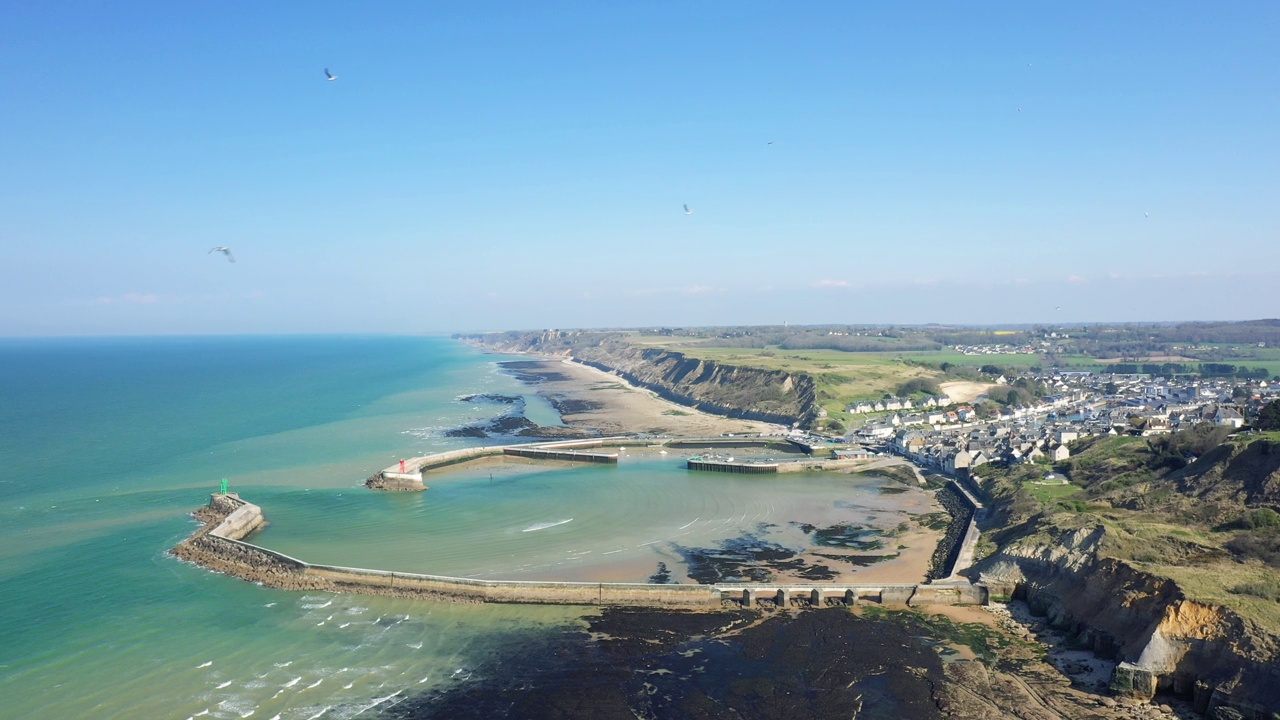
[{"x": 594, "y": 399}]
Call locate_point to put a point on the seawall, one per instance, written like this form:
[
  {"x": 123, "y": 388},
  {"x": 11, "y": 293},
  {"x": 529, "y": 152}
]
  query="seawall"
[{"x": 219, "y": 545}]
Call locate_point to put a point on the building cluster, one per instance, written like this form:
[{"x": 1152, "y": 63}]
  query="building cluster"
[
  {"x": 898, "y": 403},
  {"x": 1003, "y": 349},
  {"x": 955, "y": 439}
]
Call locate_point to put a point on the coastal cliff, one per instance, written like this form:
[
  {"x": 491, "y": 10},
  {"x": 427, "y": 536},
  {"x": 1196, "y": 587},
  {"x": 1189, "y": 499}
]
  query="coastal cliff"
[
  {"x": 1164, "y": 641},
  {"x": 773, "y": 396}
]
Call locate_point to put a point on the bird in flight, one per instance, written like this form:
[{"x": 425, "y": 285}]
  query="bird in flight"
[
  {"x": 329, "y": 76},
  {"x": 769, "y": 143},
  {"x": 687, "y": 211},
  {"x": 225, "y": 251},
  {"x": 1146, "y": 214}
]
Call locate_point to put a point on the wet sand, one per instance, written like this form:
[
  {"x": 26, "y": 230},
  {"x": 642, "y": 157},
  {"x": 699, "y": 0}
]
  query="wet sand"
[{"x": 608, "y": 404}]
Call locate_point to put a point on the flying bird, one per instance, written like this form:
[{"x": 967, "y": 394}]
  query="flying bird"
[
  {"x": 1146, "y": 214},
  {"x": 687, "y": 211},
  {"x": 225, "y": 251},
  {"x": 329, "y": 76},
  {"x": 769, "y": 143}
]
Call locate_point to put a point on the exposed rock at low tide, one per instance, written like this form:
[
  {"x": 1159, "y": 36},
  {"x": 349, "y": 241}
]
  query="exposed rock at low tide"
[{"x": 818, "y": 664}]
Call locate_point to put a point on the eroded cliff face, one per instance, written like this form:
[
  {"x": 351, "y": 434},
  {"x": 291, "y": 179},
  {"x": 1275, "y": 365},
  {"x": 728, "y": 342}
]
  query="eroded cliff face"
[
  {"x": 771, "y": 396},
  {"x": 1164, "y": 640}
]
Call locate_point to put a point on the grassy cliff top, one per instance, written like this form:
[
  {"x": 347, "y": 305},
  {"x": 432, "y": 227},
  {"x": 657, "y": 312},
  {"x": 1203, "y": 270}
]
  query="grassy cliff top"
[{"x": 1209, "y": 525}]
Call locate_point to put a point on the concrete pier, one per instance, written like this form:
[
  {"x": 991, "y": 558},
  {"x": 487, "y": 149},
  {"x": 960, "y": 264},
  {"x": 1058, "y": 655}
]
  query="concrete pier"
[
  {"x": 544, "y": 453},
  {"x": 745, "y": 468}
]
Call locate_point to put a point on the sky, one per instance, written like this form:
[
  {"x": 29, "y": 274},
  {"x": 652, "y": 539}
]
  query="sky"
[{"x": 495, "y": 165}]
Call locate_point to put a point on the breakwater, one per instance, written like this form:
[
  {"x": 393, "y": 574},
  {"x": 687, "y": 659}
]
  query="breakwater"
[
  {"x": 955, "y": 551},
  {"x": 219, "y": 545}
]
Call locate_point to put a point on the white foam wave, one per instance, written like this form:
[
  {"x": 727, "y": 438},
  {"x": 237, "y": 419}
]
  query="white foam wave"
[
  {"x": 314, "y": 684},
  {"x": 225, "y": 684},
  {"x": 545, "y": 525},
  {"x": 292, "y": 682},
  {"x": 204, "y": 665},
  {"x": 691, "y": 522},
  {"x": 322, "y": 712}
]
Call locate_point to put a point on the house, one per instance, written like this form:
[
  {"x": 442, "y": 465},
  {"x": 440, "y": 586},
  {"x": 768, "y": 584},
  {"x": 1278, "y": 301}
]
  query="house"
[
  {"x": 1228, "y": 416},
  {"x": 1059, "y": 453},
  {"x": 853, "y": 452}
]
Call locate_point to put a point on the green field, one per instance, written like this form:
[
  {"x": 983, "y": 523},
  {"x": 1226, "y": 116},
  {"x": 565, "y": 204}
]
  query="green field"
[
  {"x": 1050, "y": 493},
  {"x": 841, "y": 377}
]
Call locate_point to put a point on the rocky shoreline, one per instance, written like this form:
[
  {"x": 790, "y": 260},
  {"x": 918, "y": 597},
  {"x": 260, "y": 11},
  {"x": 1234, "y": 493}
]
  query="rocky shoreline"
[{"x": 944, "y": 556}]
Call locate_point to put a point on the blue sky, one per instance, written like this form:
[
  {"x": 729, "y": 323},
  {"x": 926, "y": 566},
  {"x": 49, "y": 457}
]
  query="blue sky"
[{"x": 498, "y": 165}]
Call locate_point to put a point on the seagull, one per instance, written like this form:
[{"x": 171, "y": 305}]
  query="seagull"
[
  {"x": 329, "y": 76},
  {"x": 769, "y": 143},
  {"x": 1146, "y": 214},
  {"x": 687, "y": 211},
  {"x": 225, "y": 251}
]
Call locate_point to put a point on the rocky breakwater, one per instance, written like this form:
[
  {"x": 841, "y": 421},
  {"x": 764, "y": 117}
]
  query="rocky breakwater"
[
  {"x": 216, "y": 545},
  {"x": 1163, "y": 640},
  {"x": 943, "y": 562}
]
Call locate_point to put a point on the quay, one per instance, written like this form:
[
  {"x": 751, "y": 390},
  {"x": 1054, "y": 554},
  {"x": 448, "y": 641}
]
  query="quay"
[
  {"x": 409, "y": 474},
  {"x": 745, "y": 468},
  {"x": 545, "y": 453}
]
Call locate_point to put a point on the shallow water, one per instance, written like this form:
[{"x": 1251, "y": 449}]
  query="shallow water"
[{"x": 107, "y": 445}]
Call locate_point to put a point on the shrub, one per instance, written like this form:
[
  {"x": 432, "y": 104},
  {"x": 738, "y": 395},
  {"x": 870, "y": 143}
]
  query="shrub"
[{"x": 1265, "y": 589}]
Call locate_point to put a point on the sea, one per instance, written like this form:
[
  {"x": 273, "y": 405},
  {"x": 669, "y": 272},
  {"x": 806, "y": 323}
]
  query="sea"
[{"x": 108, "y": 444}]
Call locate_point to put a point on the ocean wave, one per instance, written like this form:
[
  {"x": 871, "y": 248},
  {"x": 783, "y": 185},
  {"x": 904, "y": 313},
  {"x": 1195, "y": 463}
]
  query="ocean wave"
[{"x": 545, "y": 525}]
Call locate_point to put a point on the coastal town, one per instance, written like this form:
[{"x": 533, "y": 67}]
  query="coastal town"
[{"x": 956, "y": 438}]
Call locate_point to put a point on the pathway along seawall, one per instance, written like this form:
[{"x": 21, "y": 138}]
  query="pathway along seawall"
[{"x": 218, "y": 545}]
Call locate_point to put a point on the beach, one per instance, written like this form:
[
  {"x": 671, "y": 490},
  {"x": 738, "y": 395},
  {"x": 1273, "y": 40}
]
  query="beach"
[{"x": 606, "y": 403}]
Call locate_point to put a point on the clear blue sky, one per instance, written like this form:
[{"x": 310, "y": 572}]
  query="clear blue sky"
[{"x": 487, "y": 165}]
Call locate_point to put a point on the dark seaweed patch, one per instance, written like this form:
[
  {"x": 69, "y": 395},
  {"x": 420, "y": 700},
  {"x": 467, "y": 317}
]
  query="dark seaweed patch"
[
  {"x": 843, "y": 535},
  {"x": 532, "y": 372},
  {"x": 746, "y": 558},
  {"x": 819, "y": 664},
  {"x": 492, "y": 398},
  {"x": 857, "y": 560}
]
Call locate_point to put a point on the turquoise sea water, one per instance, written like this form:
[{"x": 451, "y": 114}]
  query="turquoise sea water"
[{"x": 106, "y": 446}]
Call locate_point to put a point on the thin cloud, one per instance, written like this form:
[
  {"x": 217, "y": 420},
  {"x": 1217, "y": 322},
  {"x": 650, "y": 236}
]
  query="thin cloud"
[
  {"x": 832, "y": 284},
  {"x": 128, "y": 299}
]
